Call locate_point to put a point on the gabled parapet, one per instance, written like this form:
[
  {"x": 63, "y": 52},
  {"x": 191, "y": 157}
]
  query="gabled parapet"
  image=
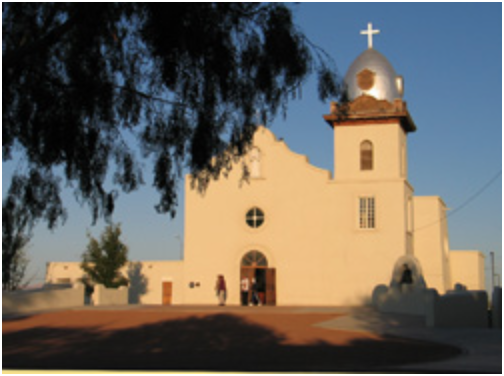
[{"x": 265, "y": 138}]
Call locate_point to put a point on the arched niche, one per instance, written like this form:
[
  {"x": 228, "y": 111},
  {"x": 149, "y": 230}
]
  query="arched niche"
[{"x": 416, "y": 272}]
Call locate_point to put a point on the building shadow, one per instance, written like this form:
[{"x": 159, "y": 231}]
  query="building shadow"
[
  {"x": 16, "y": 316},
  {"x": 220, "y": 342},
  {"x": 137, "y": 282},
  {"x": 369, "y": 319}
]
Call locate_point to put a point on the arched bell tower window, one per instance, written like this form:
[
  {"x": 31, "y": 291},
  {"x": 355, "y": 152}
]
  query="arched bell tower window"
[
  {"x": 366, "y": 155},
  {"x": 254, "y": 259}
]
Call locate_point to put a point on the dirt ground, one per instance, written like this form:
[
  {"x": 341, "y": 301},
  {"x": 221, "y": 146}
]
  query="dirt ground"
[{"x": 199, "y": 340}]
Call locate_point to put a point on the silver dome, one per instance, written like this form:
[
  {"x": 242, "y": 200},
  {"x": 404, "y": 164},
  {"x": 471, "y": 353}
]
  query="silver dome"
[{"x": 381, "y": 80}]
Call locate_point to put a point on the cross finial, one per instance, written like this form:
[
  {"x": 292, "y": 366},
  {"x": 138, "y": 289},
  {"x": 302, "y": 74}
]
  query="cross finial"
[{"x": 370, "y": 32}]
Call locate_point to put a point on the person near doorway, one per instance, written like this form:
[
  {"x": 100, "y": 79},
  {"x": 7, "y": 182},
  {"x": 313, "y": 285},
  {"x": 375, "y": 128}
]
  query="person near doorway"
[
  {"x": 255, "y": 295},
  {"x": 244, "y": 287},
  {"x": 220, "y": 288},
  {"x": 406, "y": 278}
]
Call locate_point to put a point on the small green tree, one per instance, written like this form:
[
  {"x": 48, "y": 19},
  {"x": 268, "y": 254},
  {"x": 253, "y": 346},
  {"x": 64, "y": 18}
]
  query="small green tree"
[{"x": 103, "y": 259}]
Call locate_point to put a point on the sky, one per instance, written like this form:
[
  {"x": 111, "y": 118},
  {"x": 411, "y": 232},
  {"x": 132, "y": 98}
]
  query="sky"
[{"x": 450, "y": 55}]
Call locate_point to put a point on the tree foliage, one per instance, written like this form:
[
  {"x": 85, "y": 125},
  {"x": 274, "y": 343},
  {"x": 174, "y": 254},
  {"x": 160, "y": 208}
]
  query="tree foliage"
[
  {"x": 103, "y": 259},
  {"x": 15, "y": 236},
  {"x": 86, "y": 87},
  {"x": 17, "y": 270}
]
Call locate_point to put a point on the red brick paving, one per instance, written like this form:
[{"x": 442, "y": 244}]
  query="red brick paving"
[{"x": 225, "y": 340}]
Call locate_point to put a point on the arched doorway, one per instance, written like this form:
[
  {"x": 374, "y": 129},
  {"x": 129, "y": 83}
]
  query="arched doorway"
[{"x": 255, "y": 265}]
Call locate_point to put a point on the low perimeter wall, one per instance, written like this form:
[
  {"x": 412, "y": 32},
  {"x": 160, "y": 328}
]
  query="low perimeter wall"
[
  {"x": 454, "y": 309},
  {"x": 394, "y": 300},
  {"x": 497, "y": 308},
  {"x": 40, "y": 300},
  {"x": 103, "y": 296},
  {"x": 457, "y": 309}
]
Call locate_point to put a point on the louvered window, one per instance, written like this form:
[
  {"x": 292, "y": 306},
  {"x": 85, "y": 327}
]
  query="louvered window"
[{"x": 367, "y": 219}]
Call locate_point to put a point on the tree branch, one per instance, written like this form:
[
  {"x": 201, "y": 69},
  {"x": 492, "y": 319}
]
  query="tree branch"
[
  {"x": 15, "y": 57},
  {"x": 148, "y": 96}
]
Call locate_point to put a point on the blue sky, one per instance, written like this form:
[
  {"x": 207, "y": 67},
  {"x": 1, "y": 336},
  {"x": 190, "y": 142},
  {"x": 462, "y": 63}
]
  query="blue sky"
[{"x": 450, "y": 55}]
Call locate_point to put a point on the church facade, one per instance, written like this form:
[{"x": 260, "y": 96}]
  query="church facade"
[{"x": 307, "y": 235}]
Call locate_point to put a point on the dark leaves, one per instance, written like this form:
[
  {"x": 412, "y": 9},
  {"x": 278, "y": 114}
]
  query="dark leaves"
[
  {"x": 15, "y": 235},
  {"x": 40, "y": 192},
  {"x": 164, "y": 182},
  {"x": 186, "y": 80},
  {"x": 327, "y": 86}
]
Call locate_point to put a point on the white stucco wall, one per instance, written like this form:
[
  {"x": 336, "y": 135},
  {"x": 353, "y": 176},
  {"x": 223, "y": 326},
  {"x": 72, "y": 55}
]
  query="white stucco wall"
[
  {"x": 468, "y": 269},
  {"x": 388, "y": 142},
  {"x": 431, "y": 245},
  {"x": 310, "y": 235},
  {"x": 63, "y": 272},
  {"x": 155, "y": 273},
  {"x": 146, "y": 278}
]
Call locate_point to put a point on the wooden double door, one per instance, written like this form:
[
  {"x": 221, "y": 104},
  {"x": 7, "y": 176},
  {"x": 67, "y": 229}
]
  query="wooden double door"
[{"x": 266, "y": 283}]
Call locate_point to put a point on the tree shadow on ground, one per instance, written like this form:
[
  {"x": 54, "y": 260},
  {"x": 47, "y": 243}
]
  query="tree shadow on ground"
[{"x": 220, "y": 342}]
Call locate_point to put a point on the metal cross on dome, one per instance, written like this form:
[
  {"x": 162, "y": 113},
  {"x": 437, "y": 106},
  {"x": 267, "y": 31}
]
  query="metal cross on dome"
[{"x": 370, "y": 32}]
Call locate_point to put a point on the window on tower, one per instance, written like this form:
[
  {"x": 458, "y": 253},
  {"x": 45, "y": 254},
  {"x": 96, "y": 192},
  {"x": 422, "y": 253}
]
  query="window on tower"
[
  {"x": 367, "y": 214},
  {"x": 366, "y": 155}
]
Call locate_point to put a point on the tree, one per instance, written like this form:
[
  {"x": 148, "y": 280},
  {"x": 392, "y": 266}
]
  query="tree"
[
  {"x": 91, "y": 90},
  {"x": 17, "y": 271},
  {"x": 103, "y": 259},
  {"x": 15, "y": 236}
]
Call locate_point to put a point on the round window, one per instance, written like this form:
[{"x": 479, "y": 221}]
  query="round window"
[{"x": 255, "y": 217}]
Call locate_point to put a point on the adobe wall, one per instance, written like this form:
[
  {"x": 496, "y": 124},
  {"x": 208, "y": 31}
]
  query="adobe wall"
[
  {"x": 468, "y": 269},
  {"x": 310, "y": 235},
  {"x": 146, "y": 278},
  {"x": 431, "y": 245},
  {"x": 457, "y": 309},
  {"x": 40, "y": 300},
  {"x": 103, "y": 296}
]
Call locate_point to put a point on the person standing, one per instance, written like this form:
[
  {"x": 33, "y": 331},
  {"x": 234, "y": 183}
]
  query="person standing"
[
  {"x": 244, "y": 287},
  {"x": 220, "y": 288},
  {"x": 406, "y": 279},
  {"x": 255, "y": 294}
]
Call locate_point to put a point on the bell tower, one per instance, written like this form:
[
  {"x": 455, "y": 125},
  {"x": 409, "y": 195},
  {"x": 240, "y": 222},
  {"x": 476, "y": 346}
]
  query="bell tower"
[
  {"x": 370, "y": 129},
  {"x": 370, "y": 152},
  {"x": 370, "y": 138}
]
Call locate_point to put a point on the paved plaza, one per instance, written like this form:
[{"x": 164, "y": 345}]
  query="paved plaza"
[{"x": 255, "y": 339}]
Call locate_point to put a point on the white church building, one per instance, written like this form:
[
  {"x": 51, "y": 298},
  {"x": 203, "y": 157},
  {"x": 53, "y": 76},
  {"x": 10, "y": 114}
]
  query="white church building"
[{"x": 310, "y": 236}]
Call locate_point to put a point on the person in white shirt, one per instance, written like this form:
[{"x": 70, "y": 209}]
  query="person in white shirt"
[{"x": 245, "y": 286}]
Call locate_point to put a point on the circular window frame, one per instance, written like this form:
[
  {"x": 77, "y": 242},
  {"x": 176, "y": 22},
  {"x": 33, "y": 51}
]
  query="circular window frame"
[{"x": 255, "y": 218}]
